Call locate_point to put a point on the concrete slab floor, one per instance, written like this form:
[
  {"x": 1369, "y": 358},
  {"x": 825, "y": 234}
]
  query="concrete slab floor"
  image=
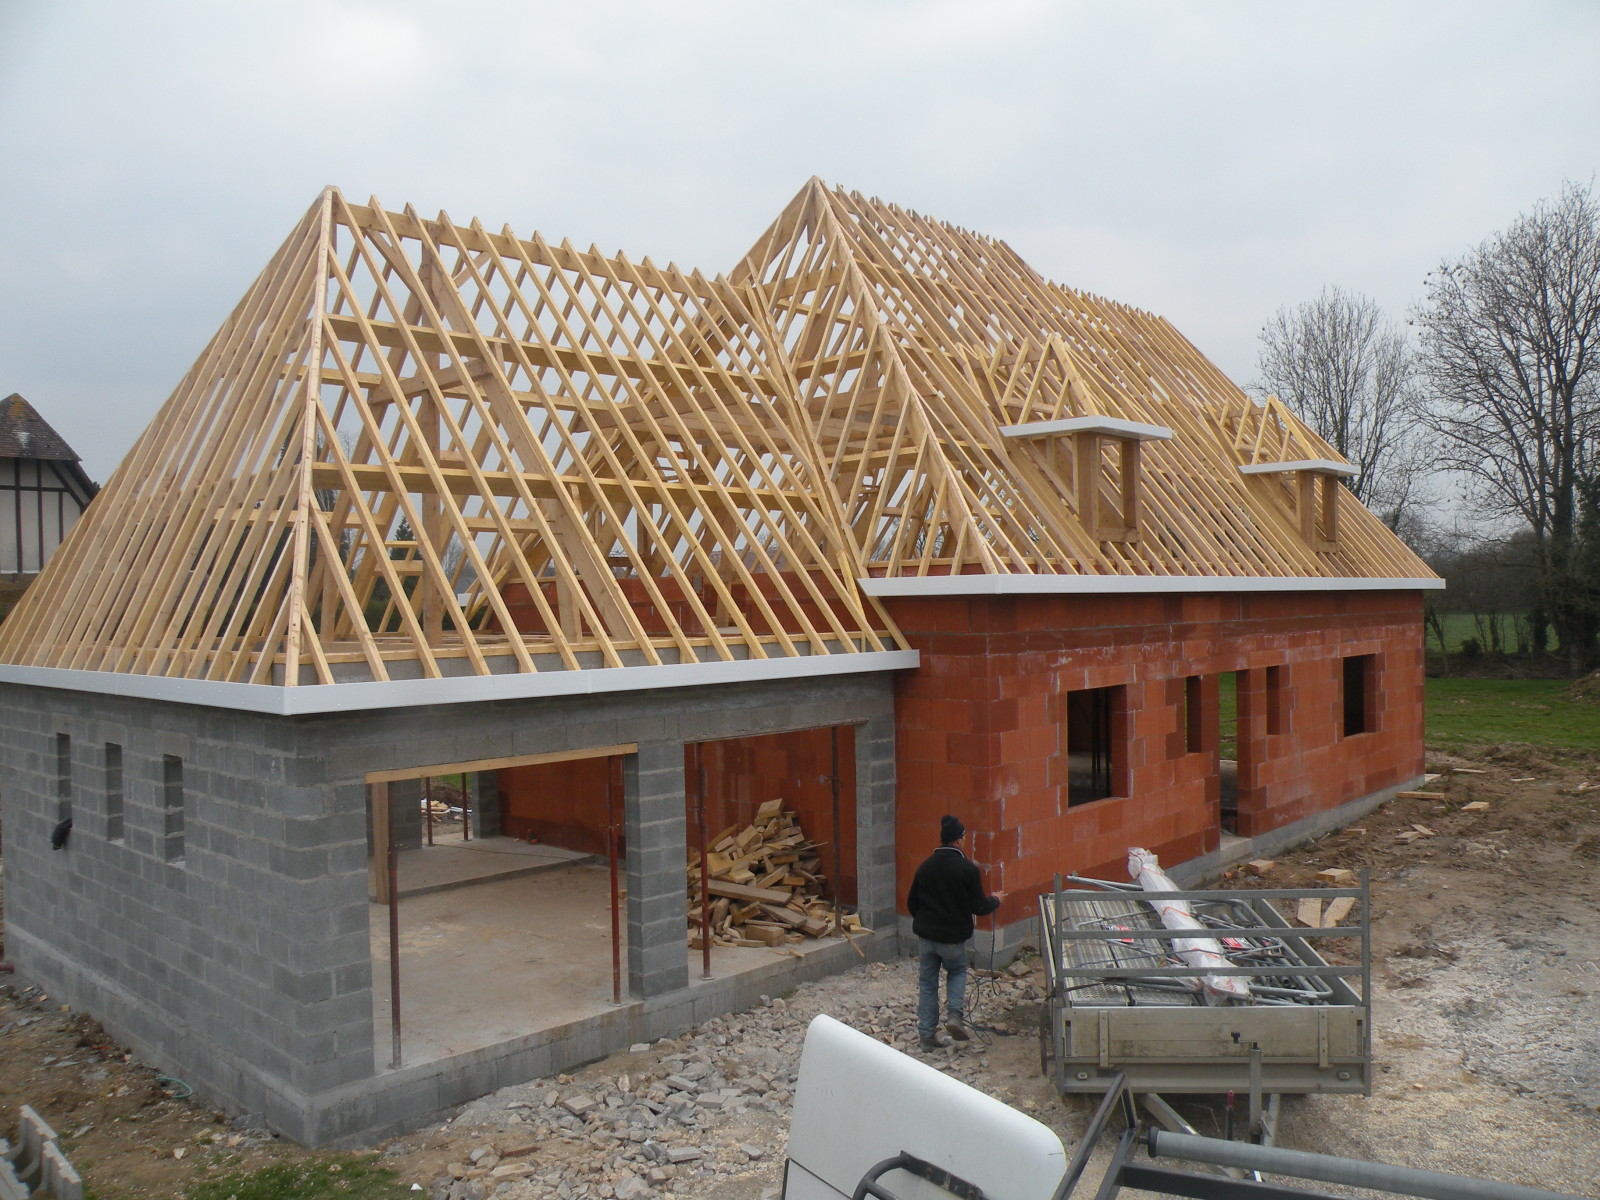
[
  {"x": 454, "y": 863},
  {"x": 486, "y": 962}
]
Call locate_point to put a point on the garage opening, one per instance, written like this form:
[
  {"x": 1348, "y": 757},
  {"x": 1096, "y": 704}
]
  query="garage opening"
[
  {"x": 773, "y": 817},
  {"x": 495, "y": 900}
]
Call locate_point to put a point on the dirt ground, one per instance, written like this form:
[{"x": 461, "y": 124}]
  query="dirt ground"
[{"x": 1486, "y": 974}]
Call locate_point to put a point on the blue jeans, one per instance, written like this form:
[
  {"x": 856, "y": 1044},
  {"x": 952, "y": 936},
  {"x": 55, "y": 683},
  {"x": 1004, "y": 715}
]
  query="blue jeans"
[{"x": 952, "y": 956}]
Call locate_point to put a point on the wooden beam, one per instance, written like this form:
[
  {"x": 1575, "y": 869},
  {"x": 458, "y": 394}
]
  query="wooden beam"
[{"x": 434, "y": 770}]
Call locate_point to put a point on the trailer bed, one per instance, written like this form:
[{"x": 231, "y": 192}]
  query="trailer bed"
[{"x": 1118, "y": 1003}]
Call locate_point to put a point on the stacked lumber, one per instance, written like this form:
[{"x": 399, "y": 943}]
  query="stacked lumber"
[{"x": 765, "y": 885}]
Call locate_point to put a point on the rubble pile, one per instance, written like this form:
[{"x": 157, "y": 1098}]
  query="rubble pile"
[{"x": 701, "y": 1114}]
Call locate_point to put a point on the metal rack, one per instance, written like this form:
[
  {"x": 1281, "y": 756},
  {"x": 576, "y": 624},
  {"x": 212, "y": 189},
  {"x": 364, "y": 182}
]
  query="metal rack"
[{"x": 1119, "y": 1003}]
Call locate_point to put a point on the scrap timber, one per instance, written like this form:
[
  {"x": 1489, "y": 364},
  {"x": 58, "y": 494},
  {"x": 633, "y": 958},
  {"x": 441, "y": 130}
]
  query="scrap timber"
[
  {"x": 765, "y": 885},
  {"x": 420, "y": 449}
]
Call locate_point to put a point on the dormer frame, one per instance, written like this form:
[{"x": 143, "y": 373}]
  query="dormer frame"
[
  {"x": 1088, "y": 467},
  {"x": 1317, "y": 489}
]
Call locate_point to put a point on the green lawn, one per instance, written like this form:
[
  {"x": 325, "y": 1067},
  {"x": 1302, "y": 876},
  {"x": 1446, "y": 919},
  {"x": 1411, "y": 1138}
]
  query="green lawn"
[
  {"x": 1465, "y": 712},
  {"x": 328, "y": 1178},
  {"x": 1537, "y": 711}
]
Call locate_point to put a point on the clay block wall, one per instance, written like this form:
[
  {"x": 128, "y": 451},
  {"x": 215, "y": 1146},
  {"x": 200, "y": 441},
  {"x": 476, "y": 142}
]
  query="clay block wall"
[
  {"x": 982, "y": 725},
  {"x": 677, "y": 608},
  {"x": 561, "y": 803}
]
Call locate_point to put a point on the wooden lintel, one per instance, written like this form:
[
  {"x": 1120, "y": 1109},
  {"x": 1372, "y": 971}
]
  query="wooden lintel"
[{"x": 433, "y": 770}]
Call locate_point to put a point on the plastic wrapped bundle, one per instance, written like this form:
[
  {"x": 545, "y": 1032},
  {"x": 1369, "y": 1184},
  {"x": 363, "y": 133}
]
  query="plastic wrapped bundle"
[{"x": 1204, "y": 954}]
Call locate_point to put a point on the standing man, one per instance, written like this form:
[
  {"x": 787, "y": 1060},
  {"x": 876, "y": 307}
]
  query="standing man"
[{"x": 946, "y": 893}]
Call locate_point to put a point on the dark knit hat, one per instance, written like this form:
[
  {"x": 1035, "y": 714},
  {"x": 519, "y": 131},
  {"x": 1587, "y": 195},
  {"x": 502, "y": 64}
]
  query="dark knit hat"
[{"x": 950, "y": 829}]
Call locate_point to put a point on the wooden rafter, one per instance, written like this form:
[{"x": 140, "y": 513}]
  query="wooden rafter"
[{"x": 419, "y": 448}]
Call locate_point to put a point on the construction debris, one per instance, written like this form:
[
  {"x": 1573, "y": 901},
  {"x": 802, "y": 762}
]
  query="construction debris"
[
  {"x": 1475, "y": 806},
  {"x": 1260, "y": 866},
  {"x": 1421, "y": 796},
  {"x": 1337, "y": 876},
  {"x": 765, "y": 886},
  {"x": 1337, "y": 911}
]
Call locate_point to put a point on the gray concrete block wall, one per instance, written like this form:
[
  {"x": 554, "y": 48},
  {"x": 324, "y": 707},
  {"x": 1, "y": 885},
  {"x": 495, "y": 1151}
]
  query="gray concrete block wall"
[
  {"x": 197, "y": 951},
  {"x": 484, "y": 787},
  {"x": 653, "y": 790},
  {"x": 875, "y": 821},
  {"x": 246, "y": 970}
]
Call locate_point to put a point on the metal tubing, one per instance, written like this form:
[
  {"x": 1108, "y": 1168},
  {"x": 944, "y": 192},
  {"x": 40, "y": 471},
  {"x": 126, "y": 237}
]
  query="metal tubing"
[
  {"x": 705, "y": 866},
  {"x": 611, "y": 860},
  {"x": 392, "y": 866},
  {"x": 427, "y": 805},
  {"x": 1091, "y": 1137},
  {"x": 833, "y": 782},
  {"x": 1302, "y": 1164}
]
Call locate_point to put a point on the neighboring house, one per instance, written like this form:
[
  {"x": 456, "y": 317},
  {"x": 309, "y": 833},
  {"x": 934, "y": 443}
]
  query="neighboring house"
[
  {"x": 882, "y": 523},
  {"x": 43, "y": 490}
]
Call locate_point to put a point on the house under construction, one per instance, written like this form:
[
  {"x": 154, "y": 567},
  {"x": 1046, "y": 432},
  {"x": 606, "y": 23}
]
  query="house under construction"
[{"x": 880, "y": 523}]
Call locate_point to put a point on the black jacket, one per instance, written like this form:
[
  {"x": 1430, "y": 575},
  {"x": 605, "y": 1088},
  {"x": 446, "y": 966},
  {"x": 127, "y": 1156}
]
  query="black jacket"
[{"x": 946, "y": 893}]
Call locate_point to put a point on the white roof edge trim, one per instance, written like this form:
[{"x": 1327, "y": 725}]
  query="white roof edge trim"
[
  {"x": 468, "y": 689},
  {"x": 1323, "y": 466},
  {"x": 1113, "y": 426},
  {"x": 1106, "y": 585}
]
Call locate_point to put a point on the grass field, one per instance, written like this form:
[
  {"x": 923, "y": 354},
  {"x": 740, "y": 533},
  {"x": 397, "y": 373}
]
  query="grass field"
[{"x": 1538, "y": 711}]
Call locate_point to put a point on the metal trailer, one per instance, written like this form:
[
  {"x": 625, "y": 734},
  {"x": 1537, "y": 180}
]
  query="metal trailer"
[
  {"x": 1118, "y": 1004},
  {"x": 869, "y": 1121}
]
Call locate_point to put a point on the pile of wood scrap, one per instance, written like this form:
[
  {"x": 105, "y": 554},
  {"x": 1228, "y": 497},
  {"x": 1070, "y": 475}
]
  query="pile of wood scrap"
[{"x": 764, "y": 884}]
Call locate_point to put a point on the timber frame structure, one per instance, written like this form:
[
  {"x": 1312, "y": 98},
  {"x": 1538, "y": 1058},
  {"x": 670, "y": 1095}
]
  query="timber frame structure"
[
  {"x": 880, "y": 523},
  {"x": 419, "y": 449}
]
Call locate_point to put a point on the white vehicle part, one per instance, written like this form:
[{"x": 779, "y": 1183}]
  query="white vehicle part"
[
  {"x": 1204, "y": 954},
  {"x": 858, "y": 1102}
]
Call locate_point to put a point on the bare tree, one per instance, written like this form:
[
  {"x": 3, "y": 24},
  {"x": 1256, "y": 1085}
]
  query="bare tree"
[
  {"x": 1511, "y": 335},
  {"x": 1349, "y": 374}
]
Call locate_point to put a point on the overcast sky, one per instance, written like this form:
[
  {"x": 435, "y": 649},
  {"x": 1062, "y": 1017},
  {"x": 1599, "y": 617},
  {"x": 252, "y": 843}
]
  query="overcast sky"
[{"x": 1210, "y": 162}]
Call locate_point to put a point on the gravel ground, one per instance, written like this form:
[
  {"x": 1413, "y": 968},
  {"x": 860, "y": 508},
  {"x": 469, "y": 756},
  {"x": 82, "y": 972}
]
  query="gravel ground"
[{"x": 1486, "y": 979}]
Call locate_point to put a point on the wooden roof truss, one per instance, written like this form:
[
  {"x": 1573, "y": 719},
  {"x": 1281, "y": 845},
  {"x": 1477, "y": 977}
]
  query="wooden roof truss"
[{"x": 419, "y": 449}]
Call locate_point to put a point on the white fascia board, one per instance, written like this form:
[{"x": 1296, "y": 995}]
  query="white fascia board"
[
  {"x": 1110, "y": 426},
  {"x": 1120, "y": 585},
  {"x": 311, "y": 699},
  {"x": 1322, "y": 466}
]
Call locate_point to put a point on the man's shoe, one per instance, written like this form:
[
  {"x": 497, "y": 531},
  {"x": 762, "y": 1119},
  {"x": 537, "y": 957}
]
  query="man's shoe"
[
  {"x": 931, "y": 1043},
  {"x": 956, "y": 1029}
]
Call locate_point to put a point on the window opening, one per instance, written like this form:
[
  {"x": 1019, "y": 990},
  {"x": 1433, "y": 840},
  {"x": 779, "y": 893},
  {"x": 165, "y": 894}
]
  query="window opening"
[
  {"x": 1095, "y": 755},
  {"x": 172, "y": 809},
  {"x": 1228, "y": 739},
  {"x": 1193, "y": 715},
  {"x": 113, "y": 792},
  {"x": 1358, "y": 676},
  {"x": 63, "y": 777},
  {"x": 1277, "y": 702}
]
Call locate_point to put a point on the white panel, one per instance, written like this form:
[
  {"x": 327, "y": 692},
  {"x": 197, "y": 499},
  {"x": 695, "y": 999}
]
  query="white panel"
[
  {"x": 1111, "y": 426},
  {"x": 1322, "y": 466},
  {"x": 859, "y": 1102},
  {"x": 1103, "y": 585},
  {"x": 464, "y": 689}
]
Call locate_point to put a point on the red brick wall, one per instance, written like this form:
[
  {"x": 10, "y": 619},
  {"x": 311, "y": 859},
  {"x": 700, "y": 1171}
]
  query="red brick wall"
[
  {"x": 981, "y": 726},
  {"x": 744, "y": 773}
]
